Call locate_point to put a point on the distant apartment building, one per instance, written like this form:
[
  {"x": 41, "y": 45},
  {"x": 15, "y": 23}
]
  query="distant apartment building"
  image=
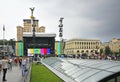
[
  {"x": 78, "y": 46},
  {"x": 114, "y": 45},
  {"x": 27, "y": 27},
  {"x": 19, "y": 33}
]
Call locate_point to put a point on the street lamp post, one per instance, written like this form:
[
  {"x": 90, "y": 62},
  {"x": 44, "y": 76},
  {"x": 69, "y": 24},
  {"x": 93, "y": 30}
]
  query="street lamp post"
[{"x": 3, "y": 40}]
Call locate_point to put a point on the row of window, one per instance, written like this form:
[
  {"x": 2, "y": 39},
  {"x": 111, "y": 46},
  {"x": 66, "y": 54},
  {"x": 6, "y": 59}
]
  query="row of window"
[
  {"x": 29, "y": 30},
  {"x": 82, "y": 51},
  {"x": 82, "y": 47},
  {"x": 84, "y": 43}
]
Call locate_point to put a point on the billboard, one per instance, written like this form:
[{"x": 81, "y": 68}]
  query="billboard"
[
  {"x": 19, "y": 49},
  {"x": 59, "y": 48}
]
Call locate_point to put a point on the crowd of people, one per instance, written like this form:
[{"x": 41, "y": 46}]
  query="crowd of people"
[
  {"x": 6, "y": 63},
  {"x": 94, "y": 56}
]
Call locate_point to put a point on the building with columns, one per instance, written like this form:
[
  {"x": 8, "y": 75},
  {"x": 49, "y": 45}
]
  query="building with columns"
[{"x": 78, "y": 46}]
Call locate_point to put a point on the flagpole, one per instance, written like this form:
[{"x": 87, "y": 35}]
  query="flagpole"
[{"x": 3, "y": 40}]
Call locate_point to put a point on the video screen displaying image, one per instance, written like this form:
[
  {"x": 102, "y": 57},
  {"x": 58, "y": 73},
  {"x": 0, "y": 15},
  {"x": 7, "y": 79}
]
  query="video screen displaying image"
[
  {"x": 19, "y": 48},
  {"x": 48, "y": 51},
  {"x": 36, "y": 51},
  {"x": 42, "y": 51},
  {"x": 30, "y": 52}
]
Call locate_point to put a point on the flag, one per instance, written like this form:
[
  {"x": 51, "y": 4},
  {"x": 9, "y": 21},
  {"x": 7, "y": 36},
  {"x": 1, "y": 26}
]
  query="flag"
[{"x": 3, "y": 28}]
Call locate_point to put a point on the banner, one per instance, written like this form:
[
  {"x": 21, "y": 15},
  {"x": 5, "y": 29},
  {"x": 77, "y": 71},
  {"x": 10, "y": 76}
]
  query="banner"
[
  {"x": 59, "y": 48},
  {"x": 19, "y": 49}
]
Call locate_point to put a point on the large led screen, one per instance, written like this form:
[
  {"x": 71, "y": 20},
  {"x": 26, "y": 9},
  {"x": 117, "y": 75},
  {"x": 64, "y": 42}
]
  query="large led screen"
[
  {"x": 19, "y": 49},
  {"x": 42, "y": 51},
  {"x": 30, "y": 52}
]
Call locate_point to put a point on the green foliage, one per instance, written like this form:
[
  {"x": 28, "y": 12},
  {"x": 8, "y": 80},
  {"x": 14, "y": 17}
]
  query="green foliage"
[
  {"x": 42, "y": 74},
  {"x": 111, "y": 53},
  {"x": 10, "y": 42},
  {"x": 107, "y": 50},
  {"x": 116, "y": 53},
  {"x": 1, "y": 42},
  {"x": 101, "y": 51}
]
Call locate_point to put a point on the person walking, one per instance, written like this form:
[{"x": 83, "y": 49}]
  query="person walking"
[
  {"x": 4, "y": 67},
  {"x": 10, "y": 63},
  {"x": 24, "y": 63},
  {"x": 20, "y": 61}
]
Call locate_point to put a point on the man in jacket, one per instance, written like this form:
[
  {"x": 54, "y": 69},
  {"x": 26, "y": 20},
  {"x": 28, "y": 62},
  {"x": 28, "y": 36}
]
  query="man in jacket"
[{"x": 4, "y": 67}]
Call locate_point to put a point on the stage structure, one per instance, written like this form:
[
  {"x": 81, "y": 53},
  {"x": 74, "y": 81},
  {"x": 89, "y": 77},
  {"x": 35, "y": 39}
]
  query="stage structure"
[
  {"x": 36, "y": 43},
  {"x": 44, "y": 44},
  {"x": 35, "y": 40}
]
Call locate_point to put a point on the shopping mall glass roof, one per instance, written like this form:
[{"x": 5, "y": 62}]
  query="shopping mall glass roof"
[{"x": 83, "y": 70}]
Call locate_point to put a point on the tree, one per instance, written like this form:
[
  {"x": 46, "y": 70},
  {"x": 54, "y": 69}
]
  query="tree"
[
  {"x": 101, "y": 51},
  {"x": 1, "y": 42},
  {"x": 107, "y": 50}
]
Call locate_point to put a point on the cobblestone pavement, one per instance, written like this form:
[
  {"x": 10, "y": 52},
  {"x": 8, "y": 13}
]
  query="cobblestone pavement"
[{"x": 13, "y": 75}]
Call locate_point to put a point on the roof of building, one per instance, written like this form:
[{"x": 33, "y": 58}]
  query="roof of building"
[
  {"x": 79, "y": 39},
  {"x": 83, "y": 70},
  {"x": 30, "y": 34}
]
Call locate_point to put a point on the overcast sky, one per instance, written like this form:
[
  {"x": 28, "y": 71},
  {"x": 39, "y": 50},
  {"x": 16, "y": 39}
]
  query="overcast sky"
[{"x": 89, "y": 19}]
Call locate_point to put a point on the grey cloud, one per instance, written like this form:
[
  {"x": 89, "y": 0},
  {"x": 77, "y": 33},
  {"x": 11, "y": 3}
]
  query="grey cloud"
[{"x": 102, "y": 17}]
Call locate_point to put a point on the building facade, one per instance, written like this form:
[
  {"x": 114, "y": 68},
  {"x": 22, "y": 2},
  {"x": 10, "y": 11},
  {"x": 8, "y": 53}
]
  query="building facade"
[
  {"x": 19, "y": 33},
  {"x": 27, "y": 27},
  {"x": 114, "y": 45},
  {"x": 79, "y": 46}
]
